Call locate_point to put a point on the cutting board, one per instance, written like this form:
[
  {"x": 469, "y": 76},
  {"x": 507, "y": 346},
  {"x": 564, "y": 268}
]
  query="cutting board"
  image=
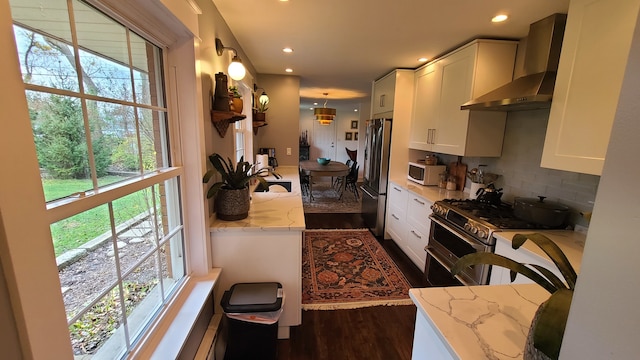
[{"x": 459, "y": 170}]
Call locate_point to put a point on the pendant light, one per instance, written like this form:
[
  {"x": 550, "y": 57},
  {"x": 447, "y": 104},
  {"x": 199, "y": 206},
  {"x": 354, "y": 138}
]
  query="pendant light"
[
  {"x": 324, "y": 115},
  {"x": 236, "y": 69}
]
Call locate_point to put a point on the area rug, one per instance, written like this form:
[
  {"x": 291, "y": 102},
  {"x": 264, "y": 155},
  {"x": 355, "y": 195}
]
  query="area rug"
[
  {"x": 326, "y": 200},
  {"x": 349, "y": 269}
]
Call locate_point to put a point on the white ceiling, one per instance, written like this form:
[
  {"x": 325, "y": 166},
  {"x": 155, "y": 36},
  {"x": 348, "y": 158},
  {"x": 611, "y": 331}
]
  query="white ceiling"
[{"x": 340, "y": 46}]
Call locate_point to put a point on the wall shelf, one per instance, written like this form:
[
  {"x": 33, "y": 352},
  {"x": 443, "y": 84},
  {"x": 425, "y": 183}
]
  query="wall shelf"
[
  {"x": 222, "y": 119},
  {"x": 257, "y": 125}
]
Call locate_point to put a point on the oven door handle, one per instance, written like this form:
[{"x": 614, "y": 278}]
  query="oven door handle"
[
  {"x": 476, "y": 244},
  {"x": 435, "y": 256}
]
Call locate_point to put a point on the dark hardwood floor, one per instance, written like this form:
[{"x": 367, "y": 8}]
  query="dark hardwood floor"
[{"x": 381, "y": 332}]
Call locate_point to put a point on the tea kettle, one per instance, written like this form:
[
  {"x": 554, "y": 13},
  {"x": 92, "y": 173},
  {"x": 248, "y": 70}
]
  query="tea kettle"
[{"x": 489, "y": 194}]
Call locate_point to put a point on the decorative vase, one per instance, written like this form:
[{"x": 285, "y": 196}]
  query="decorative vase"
[
  {"x": 530, "y": 351},
  {"x": 232, "y": 204},
  {"x": 236, "y": 105}
]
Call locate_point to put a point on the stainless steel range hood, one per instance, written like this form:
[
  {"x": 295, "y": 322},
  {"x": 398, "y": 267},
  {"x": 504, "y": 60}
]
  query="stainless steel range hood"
[{"x": 534, "y": 90}]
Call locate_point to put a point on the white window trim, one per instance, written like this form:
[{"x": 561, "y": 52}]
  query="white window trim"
[{"x": 43, "y": 329}]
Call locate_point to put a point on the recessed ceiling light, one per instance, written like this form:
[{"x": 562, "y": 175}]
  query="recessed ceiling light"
[
  {"x": 499, "y": 18},
  {"x": 356, "y": 110},
  {"x": 423, "y": 59},
  {"x": 287, "y": 50},
  {"x": 288, "y": 70}
]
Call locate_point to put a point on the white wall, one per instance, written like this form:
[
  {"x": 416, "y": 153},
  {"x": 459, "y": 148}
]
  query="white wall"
[{"x": 604, "y": 318}]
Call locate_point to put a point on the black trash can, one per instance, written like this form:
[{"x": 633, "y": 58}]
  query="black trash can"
[{"x": 251, "y": 318}]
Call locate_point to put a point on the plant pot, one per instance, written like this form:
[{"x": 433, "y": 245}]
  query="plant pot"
[
  {"x": 259, "y": 117},
  {"x": 530, "y": 351},
  {"x": 236, "y": 105},
  {"x": 231, "y": 204}
]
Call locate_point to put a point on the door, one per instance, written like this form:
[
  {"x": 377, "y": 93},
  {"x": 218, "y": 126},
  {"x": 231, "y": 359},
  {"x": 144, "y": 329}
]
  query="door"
[{"x": 323, "y": 142}]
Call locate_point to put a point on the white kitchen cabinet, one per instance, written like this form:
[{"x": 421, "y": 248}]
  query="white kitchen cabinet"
[
  {"x": 471, "y": 71},
  {"x": 392, "y": 98},
  {"x": 408, "y": 222},
  {"x": 500, "y": 275},
  {"x": 383, "y": 94},
  {"x": 594, "y": 55},
  {"x": 442, "y": 87},
  {"x": 427, "y": 344},
  {"x": 418, "y": 226},
  {"x": 396, "y": 213},
  {"x": 425, "y": 106},
  {"x": 262, "y": 256}
]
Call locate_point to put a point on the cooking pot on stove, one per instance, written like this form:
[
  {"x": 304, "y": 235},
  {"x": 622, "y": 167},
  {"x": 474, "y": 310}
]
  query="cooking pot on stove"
[
  {"x": 489, "y": 194},
  {"x": 538, "y": 211}
]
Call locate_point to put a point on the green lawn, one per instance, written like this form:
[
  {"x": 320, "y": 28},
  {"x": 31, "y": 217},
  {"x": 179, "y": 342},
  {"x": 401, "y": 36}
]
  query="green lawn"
[{"x": 74, "y": 231}]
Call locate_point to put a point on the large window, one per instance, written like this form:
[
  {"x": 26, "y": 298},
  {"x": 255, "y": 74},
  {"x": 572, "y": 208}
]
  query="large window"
[{"x": 96, "y": 99}]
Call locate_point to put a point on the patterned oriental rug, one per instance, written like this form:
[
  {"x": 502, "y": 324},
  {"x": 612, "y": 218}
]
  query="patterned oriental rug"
[
  {"x": 349, "y": 269},
  {"x": 326, "y": 200}
]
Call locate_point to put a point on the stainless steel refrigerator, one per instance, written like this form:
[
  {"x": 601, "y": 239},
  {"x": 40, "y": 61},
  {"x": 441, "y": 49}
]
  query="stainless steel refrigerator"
[{"x": 376, "y": 173}]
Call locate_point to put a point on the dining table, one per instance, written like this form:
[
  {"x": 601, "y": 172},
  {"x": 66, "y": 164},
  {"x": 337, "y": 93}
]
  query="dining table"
[{"x": 333, "y": 169}]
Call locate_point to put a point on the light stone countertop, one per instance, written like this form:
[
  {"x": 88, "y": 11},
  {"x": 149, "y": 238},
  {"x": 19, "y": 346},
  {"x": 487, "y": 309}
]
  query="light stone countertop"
[
  {"x": 481, "y": 322},
  {"x": 570, "y": 242},
  {"x": 270, "y": 211},
  {"x": 431, "y": 193}
]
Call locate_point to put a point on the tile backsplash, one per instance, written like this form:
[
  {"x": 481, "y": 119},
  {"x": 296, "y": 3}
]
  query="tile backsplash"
[{"x": 520, "y": 171}]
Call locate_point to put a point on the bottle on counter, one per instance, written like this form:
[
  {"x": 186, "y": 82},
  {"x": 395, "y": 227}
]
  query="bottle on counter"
[
  {"x": 442, "y": 184},
  {"x": 451, "y": 183}
]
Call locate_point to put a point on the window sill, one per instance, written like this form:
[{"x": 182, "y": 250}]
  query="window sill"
[{"x": 168, "y": 335}]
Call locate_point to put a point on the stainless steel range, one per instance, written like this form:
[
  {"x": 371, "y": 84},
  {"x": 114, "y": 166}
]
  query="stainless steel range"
[{"x": 461, "y": 227}]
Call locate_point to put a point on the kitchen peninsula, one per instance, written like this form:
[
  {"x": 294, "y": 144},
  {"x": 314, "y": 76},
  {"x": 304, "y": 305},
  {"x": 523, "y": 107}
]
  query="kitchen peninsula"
[
  {"x": 265, "y": 247},
  {"x": 486, "y": 322}
]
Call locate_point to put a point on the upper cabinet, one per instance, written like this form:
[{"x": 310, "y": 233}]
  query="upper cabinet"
[
  {"x": 590, "y": 73},
  {"x": 392, "y": 97},
  {"x": 383, "y": 94},
  {"x": 427, "y": 82},
  {"x": 441, "y": 87}
]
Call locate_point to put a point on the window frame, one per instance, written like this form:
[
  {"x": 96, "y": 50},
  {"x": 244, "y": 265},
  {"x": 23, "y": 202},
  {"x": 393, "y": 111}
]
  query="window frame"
[
  {"x": 23, "y": 211},
  {"x": 69, "y": 206}
]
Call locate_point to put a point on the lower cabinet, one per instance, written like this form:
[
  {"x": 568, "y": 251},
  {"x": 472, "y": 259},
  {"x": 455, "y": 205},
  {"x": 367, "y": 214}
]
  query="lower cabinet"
[
  {"x": 408, "y": 222},
  {"x": 500, "y": 275},
  {"x": 426, "y": 343},
  {"x": 261, "y": 256}
]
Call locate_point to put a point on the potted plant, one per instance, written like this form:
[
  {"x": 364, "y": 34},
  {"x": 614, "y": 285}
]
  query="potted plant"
[
  {"x": 232, "y": 198},
  {"x": 547, "y": 327},
  {"x": 260, "y": 111},
  {"x": 235, "y": 99}
]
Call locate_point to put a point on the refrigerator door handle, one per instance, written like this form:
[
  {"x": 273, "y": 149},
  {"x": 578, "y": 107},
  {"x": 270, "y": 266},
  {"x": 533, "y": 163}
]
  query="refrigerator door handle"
[{"x": 375, "y": 197}]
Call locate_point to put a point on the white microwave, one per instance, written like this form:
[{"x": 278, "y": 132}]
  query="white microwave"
[{"x": 425, "y": 174}]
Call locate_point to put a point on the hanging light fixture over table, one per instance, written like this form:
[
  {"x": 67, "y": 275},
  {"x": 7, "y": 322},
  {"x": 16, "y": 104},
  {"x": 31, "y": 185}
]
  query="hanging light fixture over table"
[
  {"x": 236, "y": 69},
  {"x": 324, "y": 115}
]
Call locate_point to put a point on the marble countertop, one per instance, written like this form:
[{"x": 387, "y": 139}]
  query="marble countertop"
[
  {"x": 481, "y": 322},
  {"x": 431, "y": 193},
  {"x": 570, "y": 242},
  {"x": 270, "y": 211}
]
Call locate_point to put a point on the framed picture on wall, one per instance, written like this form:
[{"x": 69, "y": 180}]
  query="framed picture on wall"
[
  {"x": 348, "y": 136},
  {"x": 354, "y": 124},
  {"x": 355, "y": 136}
]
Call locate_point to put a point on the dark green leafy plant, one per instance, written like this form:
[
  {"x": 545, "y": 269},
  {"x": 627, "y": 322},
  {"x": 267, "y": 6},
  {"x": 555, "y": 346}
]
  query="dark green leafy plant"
[
  {"x": 234, "y": 91},
  {"x": 234, "y": 177},
  {"x": 262, "y": 105},
  {"x": 549, "y": 329}
]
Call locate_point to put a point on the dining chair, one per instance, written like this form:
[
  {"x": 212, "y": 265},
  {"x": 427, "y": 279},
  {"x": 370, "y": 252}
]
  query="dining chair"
[
  {"x": 304, "y": 182},
  {"x": 352, "y": 180},
  {"x": 338, "y": 180}
]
